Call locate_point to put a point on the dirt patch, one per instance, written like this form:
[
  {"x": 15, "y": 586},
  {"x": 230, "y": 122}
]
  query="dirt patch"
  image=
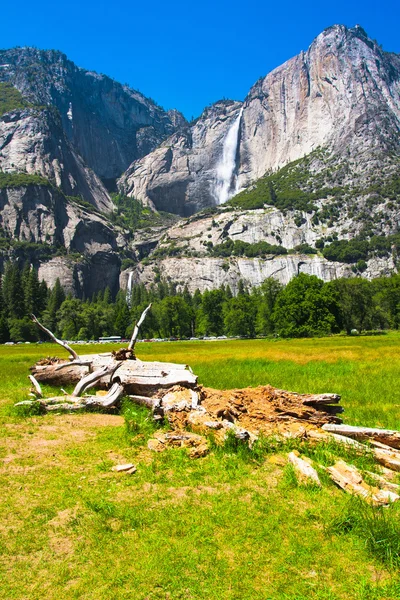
[
  {"x": 261, "y": 410},
  {"x": 45, "y": 440}
]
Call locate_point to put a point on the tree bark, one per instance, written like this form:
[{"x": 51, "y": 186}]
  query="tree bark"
[{"x": 385, "y": 436}]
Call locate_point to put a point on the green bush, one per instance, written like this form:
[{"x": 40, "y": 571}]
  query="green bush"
[
  {"x": 239, "y": 248},
  {"x": 131, "y": 214},
  {"x": 13, "y": 180},
  {"x": 10, "y": 98},
  {"x": 359, "y": 250}
]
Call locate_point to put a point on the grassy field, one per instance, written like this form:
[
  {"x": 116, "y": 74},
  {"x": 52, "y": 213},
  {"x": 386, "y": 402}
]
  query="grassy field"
[{"x": 233, "y": 525}]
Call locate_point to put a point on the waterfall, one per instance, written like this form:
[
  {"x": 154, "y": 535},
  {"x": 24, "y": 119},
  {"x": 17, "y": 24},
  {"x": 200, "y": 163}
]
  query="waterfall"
[
  {"x": 225, "y": 185},
  {"x": 129, "y": 289}
]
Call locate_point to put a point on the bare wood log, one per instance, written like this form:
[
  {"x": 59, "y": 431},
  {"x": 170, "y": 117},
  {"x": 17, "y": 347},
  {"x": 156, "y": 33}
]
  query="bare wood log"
[
  {"x": 71, "y": 402},
  {"x": 36, "y": 385},
  {"x": 129, "y": 467},
  {"x": 383, "y": 483},
  {"x": 137, "y": 328},
  {"x": 304, "y": 469},
  {"x": 91, "y": 379},
  {"x": 151, "y": 403},
  {"x": 350, "y": 480},
  {"x": 341, "y": 439},
  {"x": 80, "y": 363},
  {"x": 386, "y": 456},
  {"x": 324, "y": 436},
  {"x": 66, "y": 406},
  {"x": 386, "y": 436},
  {"x": 53, "y": 337},
  {"x": 27, "y": 403},
  {"x": 114, "y": 394},
  {"x": 311, "y": 399},
  {"x": 139, "y": 378}
]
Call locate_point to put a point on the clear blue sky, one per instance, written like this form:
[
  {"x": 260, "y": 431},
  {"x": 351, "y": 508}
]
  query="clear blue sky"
[{"x": 188, "y": 54}]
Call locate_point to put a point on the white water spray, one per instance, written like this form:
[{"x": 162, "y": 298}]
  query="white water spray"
[
  {"x": 129, "y": 289},
  {"x": 225, "y": 187}
]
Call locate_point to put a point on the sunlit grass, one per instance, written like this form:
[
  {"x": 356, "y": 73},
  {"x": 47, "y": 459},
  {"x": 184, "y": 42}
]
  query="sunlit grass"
[{"x": 230, "y": 526}]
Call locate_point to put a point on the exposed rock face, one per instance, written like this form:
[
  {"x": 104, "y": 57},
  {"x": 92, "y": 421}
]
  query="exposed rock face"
[
  {"x": 83, "y": 277},
  {"x": 343, "y": 94},
  {"x": 108, "y": 124},
  {"x": 33, "y": 141},
  {"x": 251, "y": 226},
  {"x": 33, "y": 214},
  {"x": 42, "y": 215},
  {"x": 184, "y": 253},
  {"x": 180, "y": 176},
  {"x": 207, "y": 273}
]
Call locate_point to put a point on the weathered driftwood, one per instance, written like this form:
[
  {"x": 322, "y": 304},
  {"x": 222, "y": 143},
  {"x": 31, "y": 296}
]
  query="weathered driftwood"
[
  {"x": 385, "y": 436},
  {"x": 56, "y": 340},
  {"x": 70, "y": 402},
  {"x": 383, "y": 483},
  {"x": 128, "y": 468},
  {"x": 350, "y": 480},
  {"x": 304, "y": 469},
  {"x": 384, "y": 455},
  {"x": 36, "y": 386},
  {"x": 138, "y": 378},
  {"x": 90, "y": 380},
  {"x": 325, "y": 402},
  {"x": 137, "y": 328}
]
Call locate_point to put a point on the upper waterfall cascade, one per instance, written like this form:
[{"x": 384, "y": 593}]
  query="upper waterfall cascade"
[{"x": 226, "y": 180}]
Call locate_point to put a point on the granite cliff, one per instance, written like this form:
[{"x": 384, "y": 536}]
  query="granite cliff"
[
  {"x": 108, "y": 124},
  {"x": 263, "y": 187},
  {"x": 341, "y": 95}
]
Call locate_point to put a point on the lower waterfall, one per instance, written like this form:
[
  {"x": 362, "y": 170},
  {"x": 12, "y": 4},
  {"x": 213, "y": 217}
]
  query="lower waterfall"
[
  {"x": 225, "y": 186},
  {"x": 129, "y": 289}
]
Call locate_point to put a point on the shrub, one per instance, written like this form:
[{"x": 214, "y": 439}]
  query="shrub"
[{"x": 10, "y": 98}]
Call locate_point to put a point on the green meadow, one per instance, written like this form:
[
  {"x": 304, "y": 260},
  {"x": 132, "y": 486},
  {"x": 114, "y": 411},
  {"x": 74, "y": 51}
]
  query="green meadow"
[{"x": 234, "y": 525}]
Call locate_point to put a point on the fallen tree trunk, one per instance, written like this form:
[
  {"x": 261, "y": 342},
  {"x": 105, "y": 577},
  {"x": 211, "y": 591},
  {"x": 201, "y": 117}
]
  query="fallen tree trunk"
[
  {"x": 304, "y": 469},
  {"x": 385, "y": 436},
  {"x": 350, "y": 480},
  {"x": 138, "y": 378}
]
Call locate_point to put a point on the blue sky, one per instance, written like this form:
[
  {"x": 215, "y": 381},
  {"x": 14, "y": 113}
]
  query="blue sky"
[{"x": 187, "y": 55}]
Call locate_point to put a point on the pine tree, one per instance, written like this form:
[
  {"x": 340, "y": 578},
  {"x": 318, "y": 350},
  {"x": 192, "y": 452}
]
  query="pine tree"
[
  {"x": 13, "y": 292},
  {"x": 32, "y": 294},
  {"x": 56, "y": 298},
  {"x": 107, "y": 296},
  {"x": 4, "y": 333}
]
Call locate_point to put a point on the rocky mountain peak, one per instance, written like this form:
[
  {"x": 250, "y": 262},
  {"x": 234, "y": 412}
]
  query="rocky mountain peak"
[
  {"x": 342, "y": 94},
  {"x": 311, "y": 158},
  {"x": 109, "y": 124}
]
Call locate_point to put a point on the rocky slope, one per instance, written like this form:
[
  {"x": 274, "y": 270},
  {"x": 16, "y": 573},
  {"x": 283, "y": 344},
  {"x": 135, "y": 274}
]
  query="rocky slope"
[
  {"x": 61, "y": 238},
  {"x": 108, "y": 124},
  {"x": 342, "y": 95},
  {"x": 64, "y": 132},
  {"x": 310, "y": 157},
  {"x": 195, "y": 251},
  {"x": 32, "y": 141},
  {"x": 180, "y": 176}
]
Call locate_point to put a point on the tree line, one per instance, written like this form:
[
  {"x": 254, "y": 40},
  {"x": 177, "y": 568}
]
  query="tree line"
[{"x": 305, "y": 307}]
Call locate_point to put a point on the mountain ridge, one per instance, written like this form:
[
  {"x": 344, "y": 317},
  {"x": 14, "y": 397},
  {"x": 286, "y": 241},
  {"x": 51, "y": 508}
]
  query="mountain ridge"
[{"x": 312, "y": 155}]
